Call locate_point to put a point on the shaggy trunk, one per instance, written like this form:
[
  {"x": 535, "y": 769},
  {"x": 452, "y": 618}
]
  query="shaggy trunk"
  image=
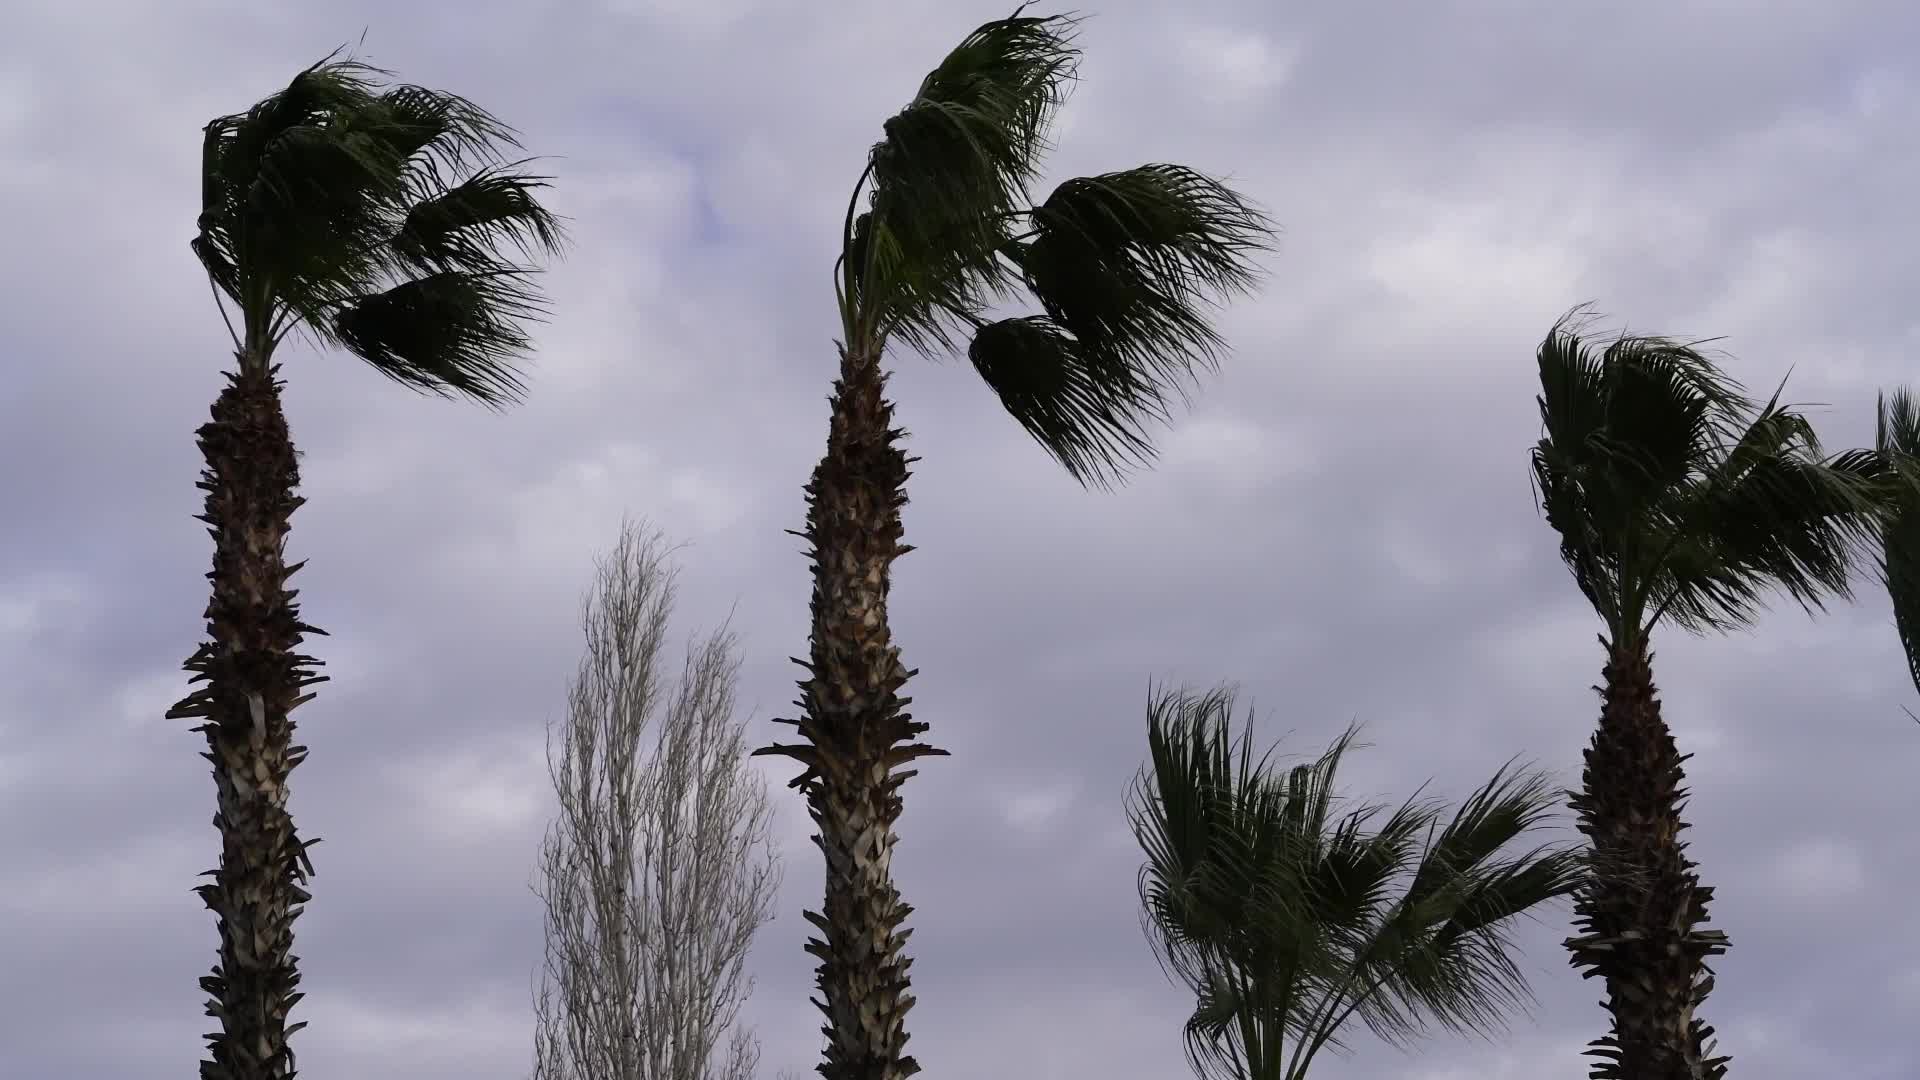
[
  {"x": 253, "y": 680},
  {"x": 1642, "y": 914},
  {"x": 855, "y": 730}
]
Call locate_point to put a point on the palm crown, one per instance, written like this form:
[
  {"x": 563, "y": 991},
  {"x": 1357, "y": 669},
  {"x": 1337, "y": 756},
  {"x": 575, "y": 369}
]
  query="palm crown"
[
  {"x": 1288, "y": 918},
  {"x": 1675, "y": 496},
  {"x": 379, "y": 220},
  {"x": 1122, "y": 266}
]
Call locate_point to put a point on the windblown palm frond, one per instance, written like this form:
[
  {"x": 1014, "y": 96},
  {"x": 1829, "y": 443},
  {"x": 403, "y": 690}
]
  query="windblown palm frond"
[
  {"x": 951, "y": 174},
  {"x": 1287, "y": 918},
  {"x": 1897, "y": 439},
  {"x": 1126, "y": 267},
  {"x": 340, "y": 208},
  {"x": 442, "y": 333},
  {"x": 1675, "y": 497},
  {"x": 1123, "y": 266}
]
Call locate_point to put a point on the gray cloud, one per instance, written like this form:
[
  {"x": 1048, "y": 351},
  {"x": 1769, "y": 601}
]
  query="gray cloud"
[{"x": 1342, "y": 525}]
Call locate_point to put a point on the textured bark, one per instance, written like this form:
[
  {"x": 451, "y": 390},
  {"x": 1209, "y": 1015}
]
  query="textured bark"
[
  {"x": 1643, "y": 914},
  {"x": 253, "y": 680},
  {"x": 857, "y": 732}
]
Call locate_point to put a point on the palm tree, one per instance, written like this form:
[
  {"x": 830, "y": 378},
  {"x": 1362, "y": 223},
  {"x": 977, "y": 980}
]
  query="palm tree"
[
  {"x": 373, "y": 219},
  {"x": 1676, "y": 500},
  {"x": 1287, "y": 920},
  {"x": 1897, "y": 440},
  {"x": 1122, "y": 267}
]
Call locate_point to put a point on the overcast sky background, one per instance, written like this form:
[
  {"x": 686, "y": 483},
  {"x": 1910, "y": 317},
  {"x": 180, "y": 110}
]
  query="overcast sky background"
[{"x": 1343, "y": 525}]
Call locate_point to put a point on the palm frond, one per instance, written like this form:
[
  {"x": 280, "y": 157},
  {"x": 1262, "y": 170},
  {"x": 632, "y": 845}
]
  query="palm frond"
[
  {"x": 1286, "y": 917},
  {"x": 951, "y": 172},
  {"x": 1897, "y": 440},
  {"x": 1089, "y": 420},
  {"x": 383, "y": 220},
  {"x": 1790, "y": 522},
  {"x": 1621, "y": 427},
  {"x": 1506, "y": 807},
  {"x": 451, "y": 332},
  {"x": 464, "y": 226},
  {"x": 448, "y": 129},
  {"x": 319, "y": 214},
  {"x": 1128, "y": 265},
  {"x": 1129, "y": 260},
  {"x": 1443, "y": 955},
  {"x": 1676, "y": 498},
  {"x": 236, "y": 142},
  {"x": 1124, "y": 266},
  {"x": 1770, "y": 514},
  {"x": 1186, "y": 796},
  {"x": 271, "y": 176}
]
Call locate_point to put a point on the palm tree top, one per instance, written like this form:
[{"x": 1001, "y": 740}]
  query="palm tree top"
[
  {"x": 386, "y": 220},
  {"x": 1677, "y": 496},
  {"x": 1123, "y": 267}
]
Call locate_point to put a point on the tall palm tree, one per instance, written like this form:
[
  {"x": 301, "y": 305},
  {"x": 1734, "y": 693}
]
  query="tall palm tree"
[
  {"x": 1287, "y": 919},
  {"x": 377, "y": 220},
  {"x": 1122, "y": 268},
  {"x": 1676, "y": 501}
]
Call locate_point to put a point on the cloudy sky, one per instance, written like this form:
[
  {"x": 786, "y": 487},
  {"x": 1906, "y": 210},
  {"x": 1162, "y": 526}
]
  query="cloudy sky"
[{"x": 1343, "y": 524}]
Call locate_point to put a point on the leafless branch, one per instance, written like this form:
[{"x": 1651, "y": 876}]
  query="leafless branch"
[{"x": 659, "y": 867}]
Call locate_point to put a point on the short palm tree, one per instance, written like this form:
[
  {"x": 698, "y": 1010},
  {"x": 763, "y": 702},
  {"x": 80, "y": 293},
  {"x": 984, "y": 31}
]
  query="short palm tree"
[
  {"x": 374, "y": 219},
  {"x": 1676, "y": 501},
  {"x": 1122, "y": 268},
  {"x": 1288, "y": 919}
]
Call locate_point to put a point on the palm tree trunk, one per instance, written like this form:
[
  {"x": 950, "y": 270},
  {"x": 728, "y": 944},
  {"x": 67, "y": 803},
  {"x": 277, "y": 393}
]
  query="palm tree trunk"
[
  {"x": 854, "y": 723},
  {"x": 1642, "y": 912},
  {"x": 253, "y": 680}
]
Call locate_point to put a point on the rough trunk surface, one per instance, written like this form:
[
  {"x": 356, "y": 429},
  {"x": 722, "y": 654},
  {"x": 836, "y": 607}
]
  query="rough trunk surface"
[
  {"x": 856, "y": 731},
  {"x": 252, "y": 678},
  {"x": 1642, "y": 917}
]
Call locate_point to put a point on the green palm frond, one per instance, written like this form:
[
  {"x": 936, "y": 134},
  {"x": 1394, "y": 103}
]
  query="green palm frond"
[
  {"x": 1621, "y": 428},
  {"x": 1124, "y": 267},
  {"x": 443, "y": 128},
  {"x": 443, "y": 333},
  {"x": 1088, "y": 417},
  {"x": 952, "y": 171},
  {"x": 1129, "y": 260},
  {"x": 1287, "y": 915},
  {"x": 1897, "y": 440},
  {"x": 1788, "y": 520},
  {"x": 290, "y": 193},
  {"x": 1444, "y": 954},
  {"x": 1676, "y": 498},
  {"x": 237, "y": 144},
  {"x": 384, "y": 220},
  {"x": 463, "y": 226},
  {"x": 1507, "y": 806}
]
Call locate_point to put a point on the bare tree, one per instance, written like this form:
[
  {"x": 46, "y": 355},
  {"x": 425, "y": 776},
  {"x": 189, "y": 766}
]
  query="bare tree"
[{"x": 659, "y": 868}]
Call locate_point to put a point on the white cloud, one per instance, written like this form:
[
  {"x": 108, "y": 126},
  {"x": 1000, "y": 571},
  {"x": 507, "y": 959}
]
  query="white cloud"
[
  {"x": 471, "y": 1032},
  {"x": 496, "y": 788},
  {"x": 1234, "y": 66},
  {"x": 1821, "y": 870},
  {"x": 1036, "y": 809}
]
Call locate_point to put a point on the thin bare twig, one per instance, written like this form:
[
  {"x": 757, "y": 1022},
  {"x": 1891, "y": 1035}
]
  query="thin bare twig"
[{"x": 659, "y": 868}]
